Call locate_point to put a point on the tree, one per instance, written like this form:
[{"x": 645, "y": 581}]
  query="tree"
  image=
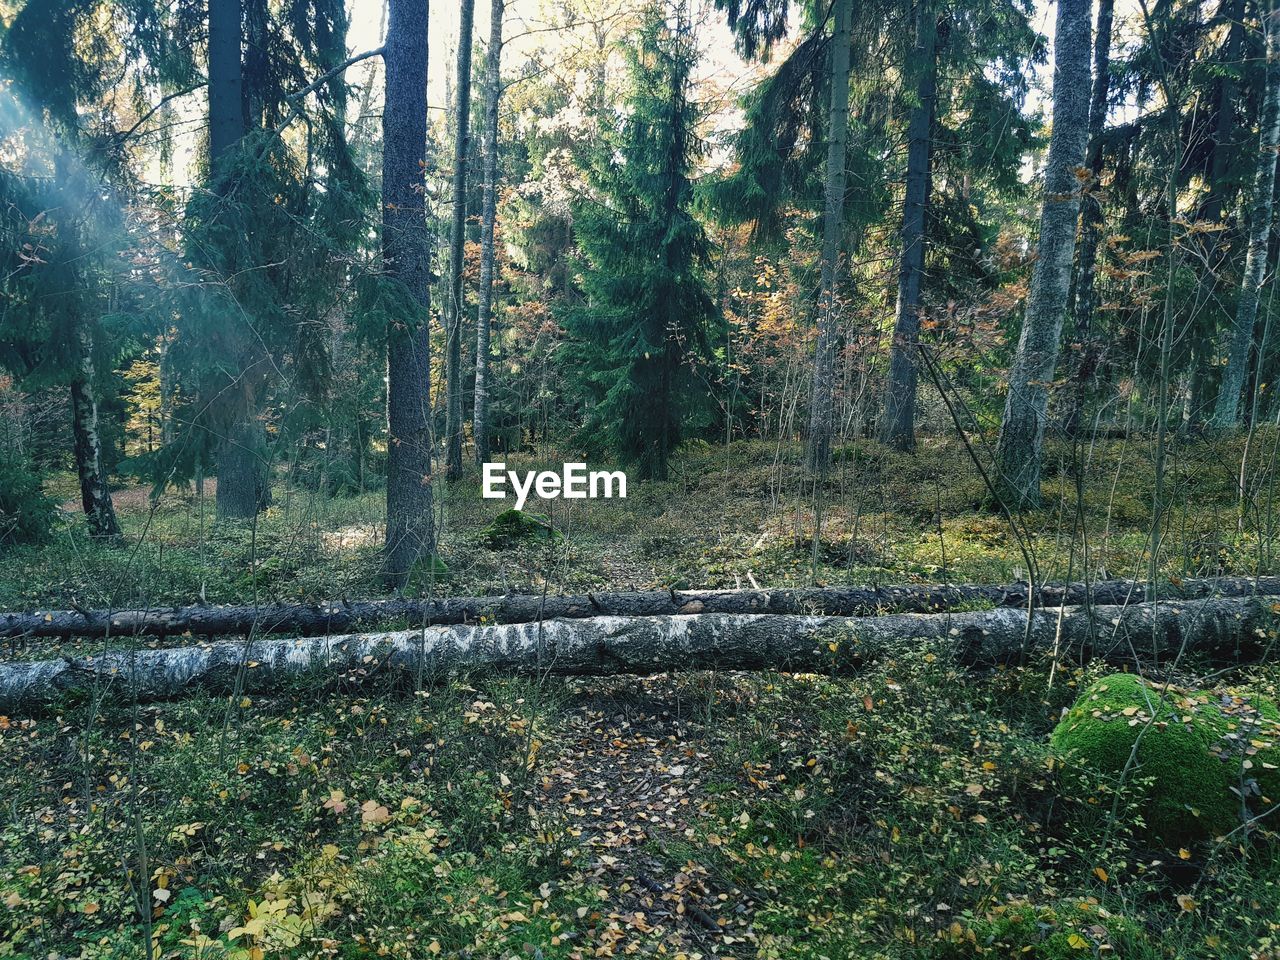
[
  {"x": 407, "y": 264},
  {"x": 822, "y": 387},
  {"x": 1227, "y": 410},
  {"x": 1022, "y": 428},
  {"x": 1212, "y": 252},
  {"x": 643, "y": 333},
  {"x": 488, "y": 218},
  {"x": 63, "y": 229},
  {"x": 1084, "y": 304},
  {"x": 897, "y": 427},
  {"x": 244, "y": 487},
  {"x": 457, "y": 236}
]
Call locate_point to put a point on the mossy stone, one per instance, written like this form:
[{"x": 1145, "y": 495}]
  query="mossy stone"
[
  {"x": 512, "y": 527},
  {"x": 1201, "y": 752}
]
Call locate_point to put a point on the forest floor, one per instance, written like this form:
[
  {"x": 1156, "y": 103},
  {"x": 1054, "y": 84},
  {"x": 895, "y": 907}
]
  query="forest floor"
[{"x": 910, "y": 811}]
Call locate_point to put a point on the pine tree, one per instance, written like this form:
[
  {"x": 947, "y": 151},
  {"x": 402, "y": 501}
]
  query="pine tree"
[
  {"x": 643, "y": 334},
  {"x": 407, "y": 263},
  {"x": 488, "y": 218},
  {"x": 1242, "y": 340},
  {"x": 897, "y": 427},
  {"x": 822, "y": 386},
  {"x": 457, "y": 303},
  {"x": 269, "y": 247},
  {"x": 1026, "y": 403},
  {"x": 1084, "y": 296}
]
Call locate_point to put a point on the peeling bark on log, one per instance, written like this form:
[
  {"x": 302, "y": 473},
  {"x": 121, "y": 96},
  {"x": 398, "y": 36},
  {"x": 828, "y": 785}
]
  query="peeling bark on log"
[
  {"x": 344, "y": 617},
  {"x": 1149, "y": 633}
]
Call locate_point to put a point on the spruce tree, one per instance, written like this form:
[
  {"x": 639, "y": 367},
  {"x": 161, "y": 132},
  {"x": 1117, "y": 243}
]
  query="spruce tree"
[{"x": 643, "y": 333}]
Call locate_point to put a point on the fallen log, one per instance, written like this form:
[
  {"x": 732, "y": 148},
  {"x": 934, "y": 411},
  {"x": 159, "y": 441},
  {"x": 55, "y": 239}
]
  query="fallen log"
[
  {"x": 1146, "y": 633},
  {"x": 346, "y": 617}
]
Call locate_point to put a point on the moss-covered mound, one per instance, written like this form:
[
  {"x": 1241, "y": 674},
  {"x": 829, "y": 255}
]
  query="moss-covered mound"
[
  {"x": 1204, "y": 757},
  {"x": 513, "y": 527}
]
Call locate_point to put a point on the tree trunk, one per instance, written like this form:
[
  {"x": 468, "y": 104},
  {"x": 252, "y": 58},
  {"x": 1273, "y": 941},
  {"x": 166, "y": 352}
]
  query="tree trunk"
[
  {"x": 1027, "y": 402},
  {"x": 241, "y": 455},
  {"x": 95, "y": 495},
  {"x": 1204, "y": 321},
  {"x": 1226, "y": 413},
  {"x": 244, "y": 465},
  {"x": 488, "y": 218},
  {"x": 226, "y": 93},
  {"x": 406, "y": 257},
  {"x": 1085, "y": 359},
  {"x": 457, "y": 237},
  {"x": 1144, "y": 634},
  {"x": 898, "y": 426},
  {"x": 345, "y": 616},
  {"x": 822, "y": 390}
]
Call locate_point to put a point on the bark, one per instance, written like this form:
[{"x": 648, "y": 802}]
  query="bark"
[
  {"x": 95, "y": 495},
  {"x": 898, "y": 428},
  {"x": 243, "y": 479},
  {"x": 1085, "y": 360},
  {"x": 822, "y": 390},
  {"x": 226, "y": 109},
  {"x": 1022, "y": 428},
  {"x": 344, "y": 616},
  {"x": 457, "y": 307},
  {"x": 406, "y": 258},
  {"x": 488, "y": 219},
  {"x": 1227, "y": 411},
  {"x": 1143, "y": 634},
  {"x": 1212, "y": 251}
]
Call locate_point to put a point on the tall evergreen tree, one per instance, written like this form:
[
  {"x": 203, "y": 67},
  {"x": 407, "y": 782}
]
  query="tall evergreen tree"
[
  {"x": 488, "y": 221},
  {"x": 897, "y": 427},
  {"x": 457, "y": 241},
  {"x": 1085, "y": 295},
  {"x": 407, "y": 263},
  {"x": 1022, "y": 428},
  {"x": 1241, "y": 339},
  {"x": 644, "y": 331},
  {"x": 822, "y": 385}
]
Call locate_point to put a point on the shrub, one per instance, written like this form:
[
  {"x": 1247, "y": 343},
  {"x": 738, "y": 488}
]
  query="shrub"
[
  {"x": 512, "y": 527},
  {"x": 26, "y": 513},
  {"x": 1204, "y": 758}
]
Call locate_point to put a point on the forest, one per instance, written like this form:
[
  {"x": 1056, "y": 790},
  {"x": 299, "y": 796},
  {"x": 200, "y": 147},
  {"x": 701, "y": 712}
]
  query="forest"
[{"x": 677, "y": 478}]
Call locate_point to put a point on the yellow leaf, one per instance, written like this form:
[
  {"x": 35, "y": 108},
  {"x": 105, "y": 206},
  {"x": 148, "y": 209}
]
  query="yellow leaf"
[
  {"x": 1186, "y": 903},
  {"x": 1184, "y": 853},
  {"x": 433, "y": 947},
  {"x": 91, "y": 907},
  {"x": 1077, "y": 942},
  {"x": 1101, "y": 874}
]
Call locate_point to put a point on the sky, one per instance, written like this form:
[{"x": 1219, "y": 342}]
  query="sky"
[{"x": 526, "y": 26}]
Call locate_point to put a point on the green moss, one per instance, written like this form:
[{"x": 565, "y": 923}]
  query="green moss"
[
  {"x": 1200, "y": 751},
  {"x": 512, "y": 527}
]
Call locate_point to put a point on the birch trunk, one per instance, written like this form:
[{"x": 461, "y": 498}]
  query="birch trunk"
[
  {"x": 822, "y": 390},
  {"x": 346, "y": 616},
  {"x": 457, "y": 237},
  {"x": 488, "y": 219},
  {"x": 95, "y": 495},
  {"x": 1143, "y": 634},
  {"x": 898, "y": 428},
  {"x": 1022, "y": 428},
  {"x": 1226, "y": 413},
  {"x": 406, "y": 257}
]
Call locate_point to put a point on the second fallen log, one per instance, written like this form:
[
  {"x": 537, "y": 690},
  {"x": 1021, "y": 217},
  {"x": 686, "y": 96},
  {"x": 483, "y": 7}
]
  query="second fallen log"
[{"x": 1148, "y": 634}]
